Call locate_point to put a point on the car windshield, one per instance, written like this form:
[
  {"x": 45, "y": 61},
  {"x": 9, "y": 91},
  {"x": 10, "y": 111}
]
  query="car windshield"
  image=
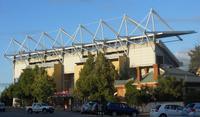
[
  {"x": 43, "y": 104},
  {"x": 157, "y": 107},
  {"x": 124, "y": 105},
  {"x": 2, "y": 104},
  {"x": 91, "y": 103},
  {"x": 179, "y": 107},
  {"x": 190, "y": 106}
]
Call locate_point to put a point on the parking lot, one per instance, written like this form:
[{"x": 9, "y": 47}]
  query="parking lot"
[
  {"x": 23, "y": 113},
  {"x": 55, "y": 114}
]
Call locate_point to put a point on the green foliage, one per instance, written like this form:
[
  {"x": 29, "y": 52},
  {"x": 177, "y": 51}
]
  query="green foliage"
[
  {"x": 145, "y": 95},
  {"x": 7, "y": 94},
  {"x": 192, "y": 96},
  {"x": 32, "y": 84},
  {"x": 104, "y": 75},
  {"x": 169, "y": 89},
  {"x": 194, "y": 59},
  {"x": 43, "y": 86},
  {"x": 137, "y": 97},
  {"x": 84, "y": 83},
  {"x": 25, "y": 84},
  {"x": 131, "y": 93},
  {"x": 96, "y": 80}
]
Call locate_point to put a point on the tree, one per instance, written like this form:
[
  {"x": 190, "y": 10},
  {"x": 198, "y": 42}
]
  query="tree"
[
  {"x": 43, "y": 86},
  {"x": 131, "y": 94},
  {"x": 169, "y": 89},
  {"x": 33, "y": 84},
  {"x": 25, "y": 82},
  {"x": 137, "y": 97},
  {"x": 194, "y": 59},
  {"x": 191, "y": 96},
  {"x": 103, "y": 75},
  {"x": 83, "y": 84},
  {"x": 145, "y": 95},
  {"x": 96, "y": 80},
  {"x": 7, "y": 95}
]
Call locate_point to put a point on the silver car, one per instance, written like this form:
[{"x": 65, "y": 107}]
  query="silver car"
[
  {"x": 89, "y": 107},
  {"x": 193, "y": 109},
  {"x": 168, "y": 110}
]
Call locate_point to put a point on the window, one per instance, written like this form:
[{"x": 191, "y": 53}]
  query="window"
[
  {"x": 179, "y": 108},
  {"x": 159, "y": 59},
  {"x": 190, "y": 106},
  {"x": 69, "y": 82},
  {"x": 173, "y": 107},
  {"x": 123, "y": 106},
  {"x": 167, "y": 107},
  {"x": 170, "y": 107},
  {"x": 197, "y": 107},
  {"x": 157, "y": 107}
]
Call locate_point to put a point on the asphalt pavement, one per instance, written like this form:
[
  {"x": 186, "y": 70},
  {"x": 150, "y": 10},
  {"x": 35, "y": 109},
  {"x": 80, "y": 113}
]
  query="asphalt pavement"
[{"x": 23, "y": 113}]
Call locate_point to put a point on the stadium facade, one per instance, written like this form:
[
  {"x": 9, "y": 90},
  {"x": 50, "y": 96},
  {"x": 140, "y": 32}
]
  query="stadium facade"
[{"x": 138, "y": 45}]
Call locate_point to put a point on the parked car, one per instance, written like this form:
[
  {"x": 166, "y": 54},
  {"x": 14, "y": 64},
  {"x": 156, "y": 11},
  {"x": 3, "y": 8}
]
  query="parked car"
[
  {"x": 193, "y": 109},
  {"x": 39, "y": 107},
  {"x": 168, "y": 110},
  {"x": 2, "y": 107},
  {"x": 89, "y": 107},
  {"x": 115, "y": 109}
]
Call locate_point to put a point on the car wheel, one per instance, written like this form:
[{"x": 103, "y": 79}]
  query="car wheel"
[
  {"x": 133, "y": 115},
  {"x": 30, "y": 110},
  {"x": 114, "y": 113},
  {"x": 82, "y": 111},
  {"x": 44, "y": 110},
  {"x": 163, "y": 115},
  {"x": 51, "y": 111}
]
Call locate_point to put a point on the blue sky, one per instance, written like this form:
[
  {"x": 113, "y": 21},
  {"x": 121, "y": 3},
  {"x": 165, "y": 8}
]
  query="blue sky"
[{"x": 21, "y": 17}]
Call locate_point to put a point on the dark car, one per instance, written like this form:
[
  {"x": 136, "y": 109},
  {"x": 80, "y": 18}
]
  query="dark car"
[
  {"x": 120, "y": 109},
  {"x": 2, "y": 107}
]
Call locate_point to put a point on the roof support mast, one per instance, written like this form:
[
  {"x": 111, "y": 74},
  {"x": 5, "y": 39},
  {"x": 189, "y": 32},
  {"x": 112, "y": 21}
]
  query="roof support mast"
[{"x": 147, "y": 33}]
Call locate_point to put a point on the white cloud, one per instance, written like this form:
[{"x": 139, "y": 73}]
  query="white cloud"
[
  {"x": 184, "y": 58},
  {"x": 182, "y": 55}
]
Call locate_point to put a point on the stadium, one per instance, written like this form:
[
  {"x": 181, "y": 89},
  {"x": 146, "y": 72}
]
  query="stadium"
[{"x": 138, "y": 45}]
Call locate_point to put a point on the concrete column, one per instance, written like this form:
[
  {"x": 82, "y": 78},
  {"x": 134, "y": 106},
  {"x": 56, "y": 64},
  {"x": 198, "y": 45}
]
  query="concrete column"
[
  {"x": 156, "y": 71},
  {"x": 139, "y": 76},
  {"x": 59, "y": 75}
]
